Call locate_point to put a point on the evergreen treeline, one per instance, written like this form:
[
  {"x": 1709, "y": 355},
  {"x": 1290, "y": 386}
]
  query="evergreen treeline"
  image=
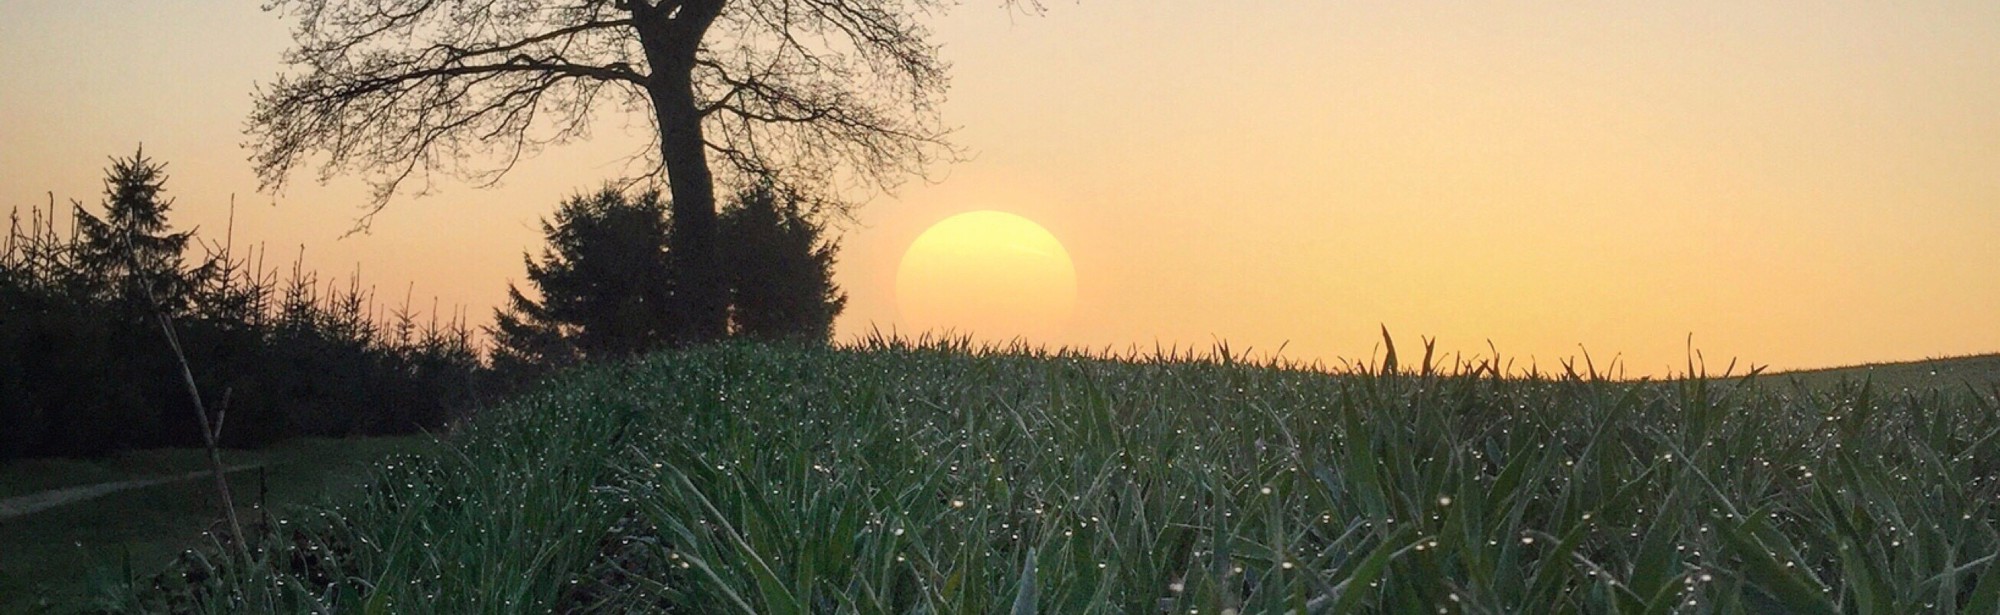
[{"x": 85, "y": 367}]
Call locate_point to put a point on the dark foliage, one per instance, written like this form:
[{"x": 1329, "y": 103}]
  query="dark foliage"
[
  {"x": 603, "y": 286},
  {"x": 132, "y": 252},
  {"x": 780, "y": 272},
  {"x": 606, "y": 281},
  {"x": 85, "y": 370}
]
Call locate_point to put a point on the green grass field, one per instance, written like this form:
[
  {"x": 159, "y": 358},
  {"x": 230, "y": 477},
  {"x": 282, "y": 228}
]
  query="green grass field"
[
  {"x": 1980, "y": 373},
  {"x": 56, "y": 558},
  {"x": 935, "y": 480}
]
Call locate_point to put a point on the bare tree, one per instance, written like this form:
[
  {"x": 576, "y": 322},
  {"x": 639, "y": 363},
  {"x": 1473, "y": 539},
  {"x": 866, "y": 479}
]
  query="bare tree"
[{"x": 827, "y": 97}]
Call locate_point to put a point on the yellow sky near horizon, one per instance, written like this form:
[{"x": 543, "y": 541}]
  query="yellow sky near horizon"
[{"x": 1793, "y": 185}]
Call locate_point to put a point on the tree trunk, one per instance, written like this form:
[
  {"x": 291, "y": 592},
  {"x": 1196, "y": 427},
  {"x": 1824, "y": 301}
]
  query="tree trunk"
[
  {"x": 671, "y": 36},
  {"x": 700, "y": 292}
]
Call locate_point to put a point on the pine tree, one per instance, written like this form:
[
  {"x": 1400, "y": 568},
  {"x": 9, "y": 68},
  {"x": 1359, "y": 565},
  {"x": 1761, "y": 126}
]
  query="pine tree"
[
  {"x": 780, "y": 271},
  {"x": 131, "y": 254},
  {"x": 603, "y": 283}
]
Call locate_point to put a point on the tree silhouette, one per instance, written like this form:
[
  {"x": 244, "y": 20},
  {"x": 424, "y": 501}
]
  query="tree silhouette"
[
  {"x": 131, "y": 253},
  {"x": 84, "y": 369},
  {"x": 813, "y": 95},
  {"x": 780, "y": 271},
  {"x": 604, "y": 283}
]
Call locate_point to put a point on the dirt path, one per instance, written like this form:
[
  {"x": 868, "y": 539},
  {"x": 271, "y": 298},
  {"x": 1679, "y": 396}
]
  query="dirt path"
[{"x": 31, "y": 503}]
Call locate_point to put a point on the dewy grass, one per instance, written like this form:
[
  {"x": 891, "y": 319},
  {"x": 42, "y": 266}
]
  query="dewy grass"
[{"x": 938, "y": 478}]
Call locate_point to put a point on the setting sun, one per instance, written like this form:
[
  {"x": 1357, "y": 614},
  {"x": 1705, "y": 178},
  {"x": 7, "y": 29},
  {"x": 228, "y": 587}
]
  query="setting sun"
[
  {"x": 765, "y": 306},
  {"x": 990, "y": 274}
]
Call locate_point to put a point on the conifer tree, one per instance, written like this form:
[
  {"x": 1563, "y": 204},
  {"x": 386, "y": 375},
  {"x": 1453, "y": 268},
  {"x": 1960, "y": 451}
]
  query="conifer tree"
[
  {"x": 603, "y": 281},
  {"x": 131, "y": 254},
  {"x": 780, "y": 271}
]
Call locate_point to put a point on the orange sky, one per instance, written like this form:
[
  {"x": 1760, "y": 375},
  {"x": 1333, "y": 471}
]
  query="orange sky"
[{"x": 1794, "y": 185}]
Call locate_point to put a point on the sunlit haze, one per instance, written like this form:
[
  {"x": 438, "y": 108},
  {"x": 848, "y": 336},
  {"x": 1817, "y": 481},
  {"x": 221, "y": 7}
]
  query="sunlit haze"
[{"x": 1791, "y": 184}]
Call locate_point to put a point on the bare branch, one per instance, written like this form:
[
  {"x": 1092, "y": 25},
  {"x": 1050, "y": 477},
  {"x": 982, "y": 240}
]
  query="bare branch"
[{"x": 835, "y": 98}]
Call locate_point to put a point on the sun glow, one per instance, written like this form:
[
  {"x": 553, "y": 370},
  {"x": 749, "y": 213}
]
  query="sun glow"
[{"x": 990, "y": 274}]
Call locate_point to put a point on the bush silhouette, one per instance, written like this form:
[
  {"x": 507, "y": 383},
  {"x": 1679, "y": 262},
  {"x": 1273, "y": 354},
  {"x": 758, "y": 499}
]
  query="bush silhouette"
[
  {"x": 603, "y": 286},
  {"x": 780, "y": 271},
  {"x": 601, "y": 283}
]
